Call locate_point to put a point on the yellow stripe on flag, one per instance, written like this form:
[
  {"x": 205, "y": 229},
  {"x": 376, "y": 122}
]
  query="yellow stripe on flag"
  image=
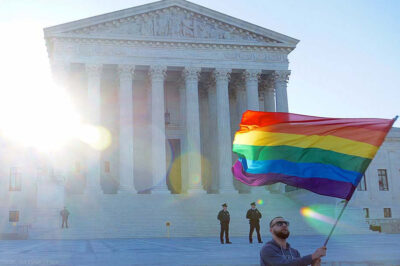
[{"x": 332, "y": 143}]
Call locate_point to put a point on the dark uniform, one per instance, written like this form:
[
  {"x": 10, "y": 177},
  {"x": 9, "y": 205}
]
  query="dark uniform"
[
  {"x": 254, "y": 217},
  {"x": 64, "y": 214},
  {"x": 224, "y": 218}
]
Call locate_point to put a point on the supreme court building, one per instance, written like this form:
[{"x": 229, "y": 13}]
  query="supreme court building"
[{"x": 167, "y": 82}]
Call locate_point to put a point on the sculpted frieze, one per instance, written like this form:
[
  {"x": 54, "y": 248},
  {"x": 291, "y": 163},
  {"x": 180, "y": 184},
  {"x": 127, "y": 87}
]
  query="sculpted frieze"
[{"x": 173, "y": 22}]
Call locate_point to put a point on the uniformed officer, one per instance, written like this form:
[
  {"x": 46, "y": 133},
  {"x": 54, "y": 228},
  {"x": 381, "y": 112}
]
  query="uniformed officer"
[
  {"x": 64, "y": 214},
  {"x": 224, "y": 218},
  {"x": 254, "y": 217}
]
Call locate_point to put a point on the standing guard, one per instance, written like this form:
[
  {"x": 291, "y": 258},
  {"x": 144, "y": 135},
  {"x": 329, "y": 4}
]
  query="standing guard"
[
  {"x": 64, "y": 214},
  {"x": 254, "y": 217},
  {"x": 224, "y": 218}
]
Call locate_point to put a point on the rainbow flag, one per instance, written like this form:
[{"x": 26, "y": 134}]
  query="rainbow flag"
[{"x": 325, "y": 155}]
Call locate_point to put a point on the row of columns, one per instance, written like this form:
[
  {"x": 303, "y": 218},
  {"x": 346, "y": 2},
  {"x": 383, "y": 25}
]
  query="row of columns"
[{"x": 191, "y": 109}]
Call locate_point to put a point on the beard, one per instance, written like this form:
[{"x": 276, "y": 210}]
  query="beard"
[{"x": 282, "y": 234}]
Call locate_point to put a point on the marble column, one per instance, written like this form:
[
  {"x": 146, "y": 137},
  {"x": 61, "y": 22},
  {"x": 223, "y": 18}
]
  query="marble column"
[
  {"x": 281, "y": 80},
  {"x": 159, "y": 168},
  {"x": 269, "y": 94},
  {"x": 126, "y": 161},
  {"x": 191, "y": 76},
  {"x": 61, "y": 70},
  {"x": 182, "y": 124},
  {"x": 252, "y": 76},
  {"x": 224, "y": 132},
  {"x": 213, "y": 138},
  {"x": 60, "y": 73},
  {"x": 94, "y": 113},
  {"x": 241, "y": 107}
]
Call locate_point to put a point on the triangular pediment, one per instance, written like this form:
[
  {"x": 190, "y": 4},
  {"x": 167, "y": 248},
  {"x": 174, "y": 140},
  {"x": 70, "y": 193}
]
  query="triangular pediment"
[{"x": 170, "y": 20}]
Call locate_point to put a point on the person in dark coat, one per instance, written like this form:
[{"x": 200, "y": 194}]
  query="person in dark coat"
[
  {"x": 64, "y": 214},
  {"x": 254, "y": 217},
  {"x": 224, "y": 219}
]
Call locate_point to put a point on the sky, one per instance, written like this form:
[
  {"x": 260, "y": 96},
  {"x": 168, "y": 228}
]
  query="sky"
[{"x": 347, "y": 63}]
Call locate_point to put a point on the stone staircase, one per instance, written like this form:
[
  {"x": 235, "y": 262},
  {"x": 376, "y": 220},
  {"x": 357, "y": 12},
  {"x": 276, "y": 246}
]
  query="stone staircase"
[{"x": 145, "y": 215}]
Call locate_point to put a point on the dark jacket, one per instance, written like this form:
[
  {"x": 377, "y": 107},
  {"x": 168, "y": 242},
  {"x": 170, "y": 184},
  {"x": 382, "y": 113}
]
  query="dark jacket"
[
  {"x": 224, "y": 217},
  {"x": 272, "y": 254},
  {"x": 64, "y": 214},
  {"x": 254, "y": 216}
]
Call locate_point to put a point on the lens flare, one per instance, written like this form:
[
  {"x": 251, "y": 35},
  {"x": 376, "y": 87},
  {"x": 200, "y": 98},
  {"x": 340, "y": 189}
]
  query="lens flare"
[
  {"x": 99, "y": 138},
  {"x": 321, "y": 218},
  {"x": 36, "y": 121},
  {"x": 309, "y": 213},
  {"x": 260, "y": 202},
  {"x": 197, "y": 180}
]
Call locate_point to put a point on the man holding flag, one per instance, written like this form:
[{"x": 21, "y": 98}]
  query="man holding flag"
[{"x": 279, "y": 252}]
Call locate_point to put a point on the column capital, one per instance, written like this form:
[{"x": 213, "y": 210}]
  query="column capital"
[
  {"x": 222, "y": 74},
  {"x": 94, "y": 69},
  {"x": 252, "y": 74},
  {"x": 281, "y": 76},
  {"x": 158, "y": 72},
  {"x": 60, "y": 71},
  {"x": 191, "y": 74},
  {"x": 126, "y": 71},
  {"x": 268, "y": 83},
  {"x": 60, "y": 66}
]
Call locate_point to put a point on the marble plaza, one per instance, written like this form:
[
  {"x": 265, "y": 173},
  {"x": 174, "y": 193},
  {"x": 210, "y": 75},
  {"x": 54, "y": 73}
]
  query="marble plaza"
[{"x": 343, "y": 250}]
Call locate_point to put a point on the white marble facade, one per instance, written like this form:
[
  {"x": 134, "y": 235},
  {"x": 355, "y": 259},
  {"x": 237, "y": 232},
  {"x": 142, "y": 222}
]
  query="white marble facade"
[{"x": 199, "y": 67}]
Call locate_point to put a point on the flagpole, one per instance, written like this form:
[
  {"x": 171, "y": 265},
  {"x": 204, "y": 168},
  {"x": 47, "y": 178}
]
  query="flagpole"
[{"x": 337, "y": 220}]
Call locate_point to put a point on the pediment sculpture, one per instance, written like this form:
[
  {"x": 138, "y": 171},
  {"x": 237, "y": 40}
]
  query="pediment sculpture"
[{"x": 173, "y": 23}]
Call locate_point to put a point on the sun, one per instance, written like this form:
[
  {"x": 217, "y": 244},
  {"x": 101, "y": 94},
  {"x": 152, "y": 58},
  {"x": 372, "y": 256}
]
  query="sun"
[
  {"x": 34, "y": 110},
  {"x": 41, "y": 117}
]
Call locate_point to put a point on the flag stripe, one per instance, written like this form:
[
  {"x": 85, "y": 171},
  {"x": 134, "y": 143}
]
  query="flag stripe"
[
  {"x": 262, "y": 119},
  {"x": 327, "y": 187},
  {"x": 302, "y": 155},
  {"x": 372, "y": 137},
  {"x": 332, "y": 143},
  {"x": 303, "y": 170}
]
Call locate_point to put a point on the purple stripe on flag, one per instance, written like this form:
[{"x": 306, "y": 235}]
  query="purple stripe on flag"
[{"x": 323, "y": 186}]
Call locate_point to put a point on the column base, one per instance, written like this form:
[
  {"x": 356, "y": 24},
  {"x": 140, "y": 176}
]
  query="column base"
[
  {"x": 228, "y": 191},
  {"x": 94, "y": 191},
  {"x": 160, "y": 191},
  {"x": 196, "y": 191},
  {"x": 277, "y": 188},
  {"x": 127, "y": 191},
  {"x": 260, "y": 189}
]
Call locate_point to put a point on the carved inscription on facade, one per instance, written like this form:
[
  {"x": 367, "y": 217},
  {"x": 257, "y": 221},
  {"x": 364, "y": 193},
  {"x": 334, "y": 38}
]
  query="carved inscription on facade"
[{"x": 87, "y": 49}]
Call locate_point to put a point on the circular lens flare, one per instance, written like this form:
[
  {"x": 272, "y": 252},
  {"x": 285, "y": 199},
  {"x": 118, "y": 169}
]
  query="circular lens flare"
[
  {"x": 260, "y": 202},
  {"x": 99, "y": 138}
]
